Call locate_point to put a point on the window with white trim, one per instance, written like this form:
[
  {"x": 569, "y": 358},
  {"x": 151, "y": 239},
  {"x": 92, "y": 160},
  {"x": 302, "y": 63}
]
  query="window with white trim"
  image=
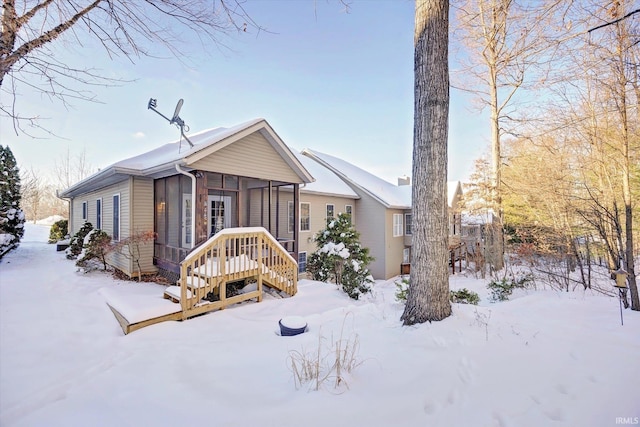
[
  {"x": 330, "y": 211},
  {"x": 407, "y": 224},
  {"x": 406, "y": 255},
  {"x": 99, "y": 214},
  {"x": 397, "y": 225},
  {"x": 85, "y": 211},
  {"x": 348, "y": 209},
  {"x": 305, "y": 217},
  {"x": 116, "y": 217},
  {"x": 302, "y": 262}
]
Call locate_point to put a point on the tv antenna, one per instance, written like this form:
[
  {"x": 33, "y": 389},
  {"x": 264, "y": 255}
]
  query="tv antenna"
[{"x": 175, "y": 120}]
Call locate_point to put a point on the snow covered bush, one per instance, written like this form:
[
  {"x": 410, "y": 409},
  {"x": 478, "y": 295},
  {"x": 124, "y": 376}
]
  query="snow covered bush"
[
  {"x": 77, "y": 241},
  {"x": 11, "y": 216},
  {"x": 461, "y": 296},
  {"x": 402, "y": 290},
  {"x": 58, "y": 231},
  {"x": 464, "y": 296},
  {"x": 96, "y": 246},
  {"x": 340, "y": 257},
  {"x": 502, "y": 289}
]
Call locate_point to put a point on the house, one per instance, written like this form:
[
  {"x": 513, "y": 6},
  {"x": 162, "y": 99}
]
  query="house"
[
  {"x": 382, "y": 214},
  {"x": 231, "y": 177},
  {"x": 482, "y": 238},
  {"x": 237, "y": 205}
]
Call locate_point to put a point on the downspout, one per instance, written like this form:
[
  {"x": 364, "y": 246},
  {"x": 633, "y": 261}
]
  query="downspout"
[{"x": 193, "y": 203}]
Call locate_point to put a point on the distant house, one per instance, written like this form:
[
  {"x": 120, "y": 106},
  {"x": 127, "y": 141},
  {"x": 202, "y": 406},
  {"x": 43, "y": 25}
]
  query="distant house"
[
  {"x": 382, "y": 213},
  {"x": 482, "y": 237}
]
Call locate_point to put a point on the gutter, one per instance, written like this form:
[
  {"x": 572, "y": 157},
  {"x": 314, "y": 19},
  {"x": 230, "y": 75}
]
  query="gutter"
[{"x": 193, "y": 202}]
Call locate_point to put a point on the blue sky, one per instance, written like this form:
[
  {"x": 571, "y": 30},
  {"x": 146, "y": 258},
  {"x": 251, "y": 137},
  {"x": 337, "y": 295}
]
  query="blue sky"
[{"x": 336, "y": 82}]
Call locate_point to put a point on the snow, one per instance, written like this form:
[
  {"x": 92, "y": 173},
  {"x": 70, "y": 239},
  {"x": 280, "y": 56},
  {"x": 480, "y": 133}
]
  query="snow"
[
  {"x": 326, "y": 182},
  {"x": 50, "y": 220},
  {"x": 294, "y": 322},
  {"x": 544, "y": 358},
  {"x": 390, "y": 195}
]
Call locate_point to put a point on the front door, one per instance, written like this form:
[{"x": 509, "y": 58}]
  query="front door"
[{"x": 219, "y": 212}]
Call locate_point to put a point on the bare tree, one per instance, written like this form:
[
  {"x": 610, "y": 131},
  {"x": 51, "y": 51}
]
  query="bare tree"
[
  {"x": 68, "y": 170},
  {"x": 505, "y": 40},
  {"x": 122, "y": 27},
  {"x": 33, "y": 191},
  {"x": 428, "y": 297}
]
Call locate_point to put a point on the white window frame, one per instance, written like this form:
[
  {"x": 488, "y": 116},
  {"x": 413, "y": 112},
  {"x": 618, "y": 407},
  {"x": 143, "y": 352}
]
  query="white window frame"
[
  {"x": 308, "y": 216},
  {"x": 348, "y": 209},
  {"x": 116, "y": 232},
  {"x": 333, "y": 210},
  {"x": 406, "y": 255},
  {"x": 99, "y": 213},
  {"x": 408, "y": 224},
  {"x": 85, "y": 210},
  {"x": 290, "y": 217},
  {"x": 302, "y": 265},
  {"x": 397, "y": 225}
]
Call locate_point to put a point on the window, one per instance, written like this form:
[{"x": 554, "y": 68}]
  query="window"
[
  {"x": 302, "y": 262},
  {"x": 330, "y": 211},
  {"x": 348, "y": 209},
  {"x": 99, "y": 214},
  {"x": 116, "y": 217},
  {"x": 290, "y": 217},
  {"x": 397, "y": 225},
  {"x": 406, "y": 256},
  {"x": 84, "y": 211},
  {"x": 305, "y": 220},
  {"x": 407, "y": 224}
]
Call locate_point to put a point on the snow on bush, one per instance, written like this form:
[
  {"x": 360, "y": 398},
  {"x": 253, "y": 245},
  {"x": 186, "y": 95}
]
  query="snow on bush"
[{"x": 340, "y": 257}]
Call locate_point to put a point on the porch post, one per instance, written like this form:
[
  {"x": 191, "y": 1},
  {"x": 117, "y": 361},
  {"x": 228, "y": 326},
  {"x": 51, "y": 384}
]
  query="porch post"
[
  {"x": 296, "y": 219},
  {"x": 270, "y": 203}
]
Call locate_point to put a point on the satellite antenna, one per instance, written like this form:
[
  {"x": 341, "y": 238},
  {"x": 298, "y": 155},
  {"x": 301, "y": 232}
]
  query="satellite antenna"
[{"x": 175, "y": 120}]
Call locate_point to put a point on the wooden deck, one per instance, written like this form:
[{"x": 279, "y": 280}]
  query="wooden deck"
[{"x": 232, "y": 256}]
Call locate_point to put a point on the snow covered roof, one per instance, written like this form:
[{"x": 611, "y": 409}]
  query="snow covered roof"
[
  {"x": 326, "y": 183},
  {"x": 388, "y": 194},
  {"x": 161, "y": 161},
  {"x": 484, "y": 218}
]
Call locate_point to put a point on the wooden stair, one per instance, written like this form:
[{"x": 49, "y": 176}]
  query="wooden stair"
[{"x": 232, "y": 255}]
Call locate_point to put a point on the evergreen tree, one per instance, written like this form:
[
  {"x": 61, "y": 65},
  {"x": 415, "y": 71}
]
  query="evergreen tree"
[
  {"x": 340, "y": 257},
  {"x": 11, "y": 216}
]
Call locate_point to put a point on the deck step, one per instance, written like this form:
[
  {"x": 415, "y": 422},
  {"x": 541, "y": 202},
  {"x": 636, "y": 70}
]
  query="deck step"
[{"x": 173, "y": 293}]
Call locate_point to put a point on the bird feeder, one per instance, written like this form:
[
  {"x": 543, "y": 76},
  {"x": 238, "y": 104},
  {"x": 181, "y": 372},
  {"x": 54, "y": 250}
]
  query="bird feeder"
[
  {"x": 621, "y": 278},
  {"x": 621, "y": 283}
]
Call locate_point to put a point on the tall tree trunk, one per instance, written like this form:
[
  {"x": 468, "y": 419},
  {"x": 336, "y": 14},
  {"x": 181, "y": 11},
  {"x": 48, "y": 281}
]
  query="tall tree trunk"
[
  {"x": 428, "y": 297},
  {"x": 622, "y": 37}
]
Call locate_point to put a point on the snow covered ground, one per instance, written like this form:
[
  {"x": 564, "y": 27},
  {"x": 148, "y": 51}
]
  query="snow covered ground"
[{"x": 544, "y": 358}]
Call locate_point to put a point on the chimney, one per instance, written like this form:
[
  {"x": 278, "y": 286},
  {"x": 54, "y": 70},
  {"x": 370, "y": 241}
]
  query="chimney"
[{"x": 404, "y": 180}]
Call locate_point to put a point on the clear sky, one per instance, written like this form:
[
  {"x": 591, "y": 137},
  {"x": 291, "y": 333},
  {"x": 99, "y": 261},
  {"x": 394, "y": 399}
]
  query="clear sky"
[{"x": 336, "y": 82}]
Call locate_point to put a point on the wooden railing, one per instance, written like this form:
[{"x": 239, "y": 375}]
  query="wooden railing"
[{"x": 234, "y": 255}]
